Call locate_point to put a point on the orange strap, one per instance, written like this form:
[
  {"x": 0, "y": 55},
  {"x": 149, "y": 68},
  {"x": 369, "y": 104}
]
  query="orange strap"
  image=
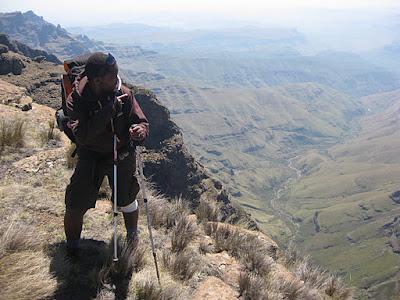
[{"x": 67, "y": 84}]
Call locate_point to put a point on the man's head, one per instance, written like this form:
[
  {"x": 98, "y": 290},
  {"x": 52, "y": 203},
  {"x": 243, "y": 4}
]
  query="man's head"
[{"x": 102, "y": 70}]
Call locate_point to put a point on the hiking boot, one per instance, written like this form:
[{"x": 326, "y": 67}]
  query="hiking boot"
[{"x": 132, "y": 240}]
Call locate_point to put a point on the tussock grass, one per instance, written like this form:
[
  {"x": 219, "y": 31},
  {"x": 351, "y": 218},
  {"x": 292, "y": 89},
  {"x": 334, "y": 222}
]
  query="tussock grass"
[
  {"x": 206, "y": 247},
  {"x": 208, "y": 210},
  {"x": 164, "y": 213},
  {"x": 130, "y": 259},
  {"x": 251, "y": 251},
  {"x": 182, "y": 265},
  {"x": 145, "y": 286},
  {"x": 291, "y": 289},
  {"x": 184, "y": 231},
  {"x": 11, "y": 133},
  {"x": 252, "y": 286},
  {"x": 17, "y": 238},
  {"x": 24, "y": 268},
  {"x": 314, "y": 277},
  {"x": 291, "y": 255},
  {"x": 337, "y": 289},
  {"x": 25, "y": 275}
]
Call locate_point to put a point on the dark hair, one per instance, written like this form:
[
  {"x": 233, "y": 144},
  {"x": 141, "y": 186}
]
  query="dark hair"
[{"x": 98, "y": 64}]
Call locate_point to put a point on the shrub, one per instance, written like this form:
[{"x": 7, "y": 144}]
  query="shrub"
[
  {"x": 11, "y": 133},
  {"x": 208, "y": 210},
  {"x": 183, "y": 233}
]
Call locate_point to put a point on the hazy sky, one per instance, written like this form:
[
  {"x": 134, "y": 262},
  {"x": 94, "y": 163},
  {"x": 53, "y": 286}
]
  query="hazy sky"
[{"x": 185, "y": 12}]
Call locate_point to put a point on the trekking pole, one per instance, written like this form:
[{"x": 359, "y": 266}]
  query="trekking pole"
[
  {"x": 115, "y": 214},
  {"x": 142, "y": 187}
]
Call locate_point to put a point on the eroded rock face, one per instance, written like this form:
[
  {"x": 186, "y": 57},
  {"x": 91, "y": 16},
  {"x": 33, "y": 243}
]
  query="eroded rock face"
[
  {"x": 11, "y": 63},
  {"x": 14, "y": 96},
  {"x": 25, "y": 50},
  {"x": 171, "y": 167}
]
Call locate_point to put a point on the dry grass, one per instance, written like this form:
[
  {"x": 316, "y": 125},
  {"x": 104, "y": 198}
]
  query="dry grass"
[
  {"x": 25, "y": 275},
  {"x": 182, "y": 265},
  {"x": 17, "y": 238},
  {"x": 208, "y": 210},
  {"x": 164, "y": 213},
  {"x": 49, "y": 133},
  {"x": 71, "y": 161},
  {"x": 129, "y": 260},
  {"x": 250, "y": 250},
  {"x": 252, "y": 286},
  {"x": 145, "y": 286},
  {"x": 184, "y": 231},
  {"x": 291, "y": 255},
  {"x": 11, "y": 133},
  {"x": 206, "y": 247},
  {"x": 24, "y": 268},
  {"x": 337, "y": 289},
  {"x": 291, "y": 289},
  {"x": 225, "y": 238},
  {"x": 314, "y": 277}
]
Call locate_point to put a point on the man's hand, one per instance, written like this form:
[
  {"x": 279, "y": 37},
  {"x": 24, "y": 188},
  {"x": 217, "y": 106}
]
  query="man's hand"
[
  {"x": 118, "y": 102},
  {"x": 137, "y": 133}
]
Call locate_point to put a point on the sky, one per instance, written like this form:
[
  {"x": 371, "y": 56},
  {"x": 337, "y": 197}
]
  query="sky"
[{"x": 189, "y": 13}]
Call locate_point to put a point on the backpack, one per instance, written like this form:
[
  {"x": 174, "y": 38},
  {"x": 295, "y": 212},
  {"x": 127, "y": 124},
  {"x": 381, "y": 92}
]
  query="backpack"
[{"x": 73, "y": 67}]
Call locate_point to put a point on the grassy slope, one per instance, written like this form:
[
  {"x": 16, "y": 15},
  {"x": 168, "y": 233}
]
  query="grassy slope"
[
  {"x": 350, "y": 188},
  {"x": 196, "y": 259}
]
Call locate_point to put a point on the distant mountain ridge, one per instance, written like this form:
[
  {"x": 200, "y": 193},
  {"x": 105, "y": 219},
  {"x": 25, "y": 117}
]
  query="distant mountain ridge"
[{"x": 34, "y": 31}]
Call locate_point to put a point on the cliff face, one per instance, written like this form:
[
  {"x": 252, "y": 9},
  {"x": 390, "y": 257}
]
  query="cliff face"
[
  {"x": 34, "y": 31},
  {"x": 23, "y": 49},
  {"x": 168, "y": 164}
]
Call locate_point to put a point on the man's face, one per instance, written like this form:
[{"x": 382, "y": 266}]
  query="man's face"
[{"x": 109, "y": 80}]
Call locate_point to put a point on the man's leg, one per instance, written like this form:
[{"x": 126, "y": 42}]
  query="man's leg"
[
  {"x": 73, "y": 220},
  {"x": 131, "y": 221}
]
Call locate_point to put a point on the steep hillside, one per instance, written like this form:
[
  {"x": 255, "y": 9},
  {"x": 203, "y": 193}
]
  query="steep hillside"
[
  {"x": 165, "y": 147},
  {"x": 346, "y": 199},
  {"x": 246, "y": 136},
  {"x": 199, "y": 256},
  {"x": 35, "y": 32}
]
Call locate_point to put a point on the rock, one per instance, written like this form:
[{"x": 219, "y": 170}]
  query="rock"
[
  {"x": 9, "y": 93},
  {"x": 217, "y": 184},
  {"x": 25, "y": 103},
  {"x": 215, "y": 288},
  {"x": 3, "y": 48},
  {"x": 395, "y": 197},
  {"x": 39, "y": 58},
  {"x": 223, "y": 197},
  {"x": 11, "y": 63}
]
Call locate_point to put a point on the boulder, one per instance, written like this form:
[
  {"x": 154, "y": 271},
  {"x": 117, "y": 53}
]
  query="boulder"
[{"x": 11, "y": 63}]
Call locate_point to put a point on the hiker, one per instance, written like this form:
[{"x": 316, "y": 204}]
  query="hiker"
[{"x": 98, "y": 107}]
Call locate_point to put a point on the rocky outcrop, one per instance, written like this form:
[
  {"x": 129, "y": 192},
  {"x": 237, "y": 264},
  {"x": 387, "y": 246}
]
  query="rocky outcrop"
[
  {"x": 6, "y": 44},
  {"x": 35, "y": 32},
  {"x": 11, "y": 63},
  {"x": 173, "y": 169},
  {"x": 395, "y": 196}
]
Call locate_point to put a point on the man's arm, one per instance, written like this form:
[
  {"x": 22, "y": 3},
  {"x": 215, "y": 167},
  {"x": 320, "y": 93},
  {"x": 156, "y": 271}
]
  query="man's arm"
[{"x": 141, "y": 131}]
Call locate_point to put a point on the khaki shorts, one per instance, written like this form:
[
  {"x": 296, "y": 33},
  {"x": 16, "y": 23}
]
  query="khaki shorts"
[{"x": 92, "y": 167}]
